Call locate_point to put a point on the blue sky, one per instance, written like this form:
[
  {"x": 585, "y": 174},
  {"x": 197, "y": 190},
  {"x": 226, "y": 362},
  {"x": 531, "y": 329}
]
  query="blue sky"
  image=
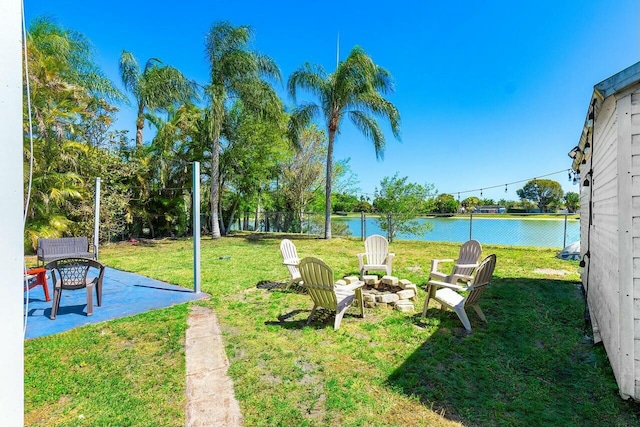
[{"x": 489, "y": 92}]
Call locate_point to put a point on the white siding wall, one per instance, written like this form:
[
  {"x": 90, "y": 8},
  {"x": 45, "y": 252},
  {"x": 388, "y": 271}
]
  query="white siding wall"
[
  {"x": 612, "y": 276},
  {"x": 602, "y": 238},
  {"x": 635, "y": 230}
]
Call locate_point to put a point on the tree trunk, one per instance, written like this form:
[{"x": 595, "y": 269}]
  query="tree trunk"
[
  {"x": 256, "y": 220},
  {"x": 232, "y": 215},
  {"x": 215, "y": 188},
  {"x": 223, "y": 229},
  {"x": 327, "y": 205},
  {"x": 139, "y": 125}
]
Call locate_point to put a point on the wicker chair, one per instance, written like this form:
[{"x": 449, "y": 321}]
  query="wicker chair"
[{"x": 73, "y": 274}]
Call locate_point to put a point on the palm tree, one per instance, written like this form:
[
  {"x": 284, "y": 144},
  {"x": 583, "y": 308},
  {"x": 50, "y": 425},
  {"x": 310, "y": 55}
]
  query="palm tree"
[
  {"x": 69, "y": 94},
  {"x": 355, "y": 90},
  {"x": 236, "y": 72},
  {"x": 155, "y": 88}
]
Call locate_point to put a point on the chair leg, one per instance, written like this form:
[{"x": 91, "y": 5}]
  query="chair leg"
[
  {"x": 56, "y": 303},
  {"x": 313, "y": 311},
  {"x": 360, "y": 301},
  {"x": 478, "y": 310},
  {"x": 463, "y": 317},
  {"x": 42, "y": 279},
  {"x": 293, "y": 281},
  {"x": 99, "y": 294},
  {"x": 339, "y": 315},
  {"x": 90, "y": 299},
  {"x": 430, "y": 291},
  {"x": 288, "y": 285}
]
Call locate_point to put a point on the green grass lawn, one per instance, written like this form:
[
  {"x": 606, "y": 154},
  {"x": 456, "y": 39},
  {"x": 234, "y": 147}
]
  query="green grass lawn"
[{"x": 529, "y": 366}]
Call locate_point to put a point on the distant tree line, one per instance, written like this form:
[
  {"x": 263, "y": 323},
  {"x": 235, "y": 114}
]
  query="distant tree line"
[{"x": 256, "y": 157}]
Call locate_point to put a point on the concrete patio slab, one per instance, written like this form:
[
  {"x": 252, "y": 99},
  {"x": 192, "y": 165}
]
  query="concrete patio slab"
[{"x": 123, "y": 294}]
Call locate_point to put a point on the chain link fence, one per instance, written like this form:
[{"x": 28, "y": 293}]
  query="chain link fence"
[{"x": 536, "y": 230}]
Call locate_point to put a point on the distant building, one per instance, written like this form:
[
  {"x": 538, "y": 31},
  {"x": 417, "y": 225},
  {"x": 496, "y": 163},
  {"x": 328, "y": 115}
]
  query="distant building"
[
  {"x": 490, "y": 209},
  {"x": 607, "y": 159}
]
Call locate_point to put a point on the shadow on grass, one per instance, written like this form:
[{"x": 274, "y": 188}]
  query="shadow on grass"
[
  {"x": 529, "y": 365},
  {"x": 257, "y": 236},
  {"x": 321, "y": 319},
  {"x": 270, "y": 285}
]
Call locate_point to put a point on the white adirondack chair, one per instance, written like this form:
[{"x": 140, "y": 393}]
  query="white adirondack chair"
[
  {"x": 463, "y": 266},
  {"x": 447, "y": 293},
  {"x": 318, "y": 279},
  {"x": 376, "y": 255},
  {"x": 290, "y": 260}
]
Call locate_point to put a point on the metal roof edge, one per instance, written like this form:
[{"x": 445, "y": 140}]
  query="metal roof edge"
[
  {"x": 601, "y": 91},
  {"x": 619, "y": 81}
]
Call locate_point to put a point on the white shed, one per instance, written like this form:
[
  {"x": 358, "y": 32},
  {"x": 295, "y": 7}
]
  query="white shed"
[{"x": 607, "y": 159}]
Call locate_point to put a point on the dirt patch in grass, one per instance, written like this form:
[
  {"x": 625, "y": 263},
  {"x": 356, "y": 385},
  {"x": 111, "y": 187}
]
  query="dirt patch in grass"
[{"x": 552, "y": 272}]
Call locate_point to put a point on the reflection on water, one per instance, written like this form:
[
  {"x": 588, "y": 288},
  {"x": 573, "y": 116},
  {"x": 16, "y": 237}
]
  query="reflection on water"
[{"x": 548, "y": 232}]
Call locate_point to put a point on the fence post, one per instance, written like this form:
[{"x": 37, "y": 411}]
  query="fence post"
[
  {"x": 471, "y": 225},
  {"x": 96, "y": 219},
  {"x": 564, "y": 240},
  {"x": 195, "y": 189},
  {"x": 389, "y": 231},
  {"x": 362, "y": 225}
]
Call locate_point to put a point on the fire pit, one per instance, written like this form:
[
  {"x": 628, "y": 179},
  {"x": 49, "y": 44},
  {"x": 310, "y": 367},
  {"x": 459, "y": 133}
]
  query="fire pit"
[{"x": 387, "y": 292}]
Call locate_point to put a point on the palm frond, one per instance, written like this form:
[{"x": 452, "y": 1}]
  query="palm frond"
[
  {"x": 310, "y": 77},
  {"x": 299, "y": 120},
  {"x": 370, "y": 129}
]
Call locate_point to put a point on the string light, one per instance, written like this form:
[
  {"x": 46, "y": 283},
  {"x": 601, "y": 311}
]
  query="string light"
[
  {"x": 505, "y": 188},
  {"x": 499, "y": 185},
  {"x": 509, "y": 183}
]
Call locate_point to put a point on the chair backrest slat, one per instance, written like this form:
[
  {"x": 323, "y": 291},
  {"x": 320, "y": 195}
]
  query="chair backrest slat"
[
  {"x": 376, "y": 248},
  {"x": 318, "y": 278},
  {"x": 481, "y": 279},
  {"x": 289, "y": 251},
  {"x": 470, "y": 252}
]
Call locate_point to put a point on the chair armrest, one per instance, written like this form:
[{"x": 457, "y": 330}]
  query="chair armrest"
[
  {"x": 438, "y": 275},
  {"x": 390, "y": 256},
  {"x": 291, "y": 261},
  {"x": 460, "y": 278},
  {"x": 467, "y": 265},
  {"x": 361, "y": 259},
  {"x": 435, "y": 262},
  {"x": 447, "y": 285},
  {"x": 351, "y": 287}
]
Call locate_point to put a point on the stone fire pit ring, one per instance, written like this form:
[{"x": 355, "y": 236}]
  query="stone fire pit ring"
[{"x": 387, "y": 292}]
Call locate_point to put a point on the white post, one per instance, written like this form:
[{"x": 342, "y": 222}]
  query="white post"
[
  {"x": 96, "y": 219},
  {"x": 196, "y": 226},
  {"x": 11, "y": 220}
]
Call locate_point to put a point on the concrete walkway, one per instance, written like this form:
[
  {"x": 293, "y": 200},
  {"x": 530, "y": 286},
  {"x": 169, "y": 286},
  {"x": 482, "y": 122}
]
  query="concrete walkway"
[{"x": 210, "y": 398}]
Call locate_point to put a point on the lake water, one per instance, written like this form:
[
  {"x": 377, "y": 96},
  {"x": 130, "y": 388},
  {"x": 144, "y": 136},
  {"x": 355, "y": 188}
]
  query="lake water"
[{"x": 547, "y": 232}]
